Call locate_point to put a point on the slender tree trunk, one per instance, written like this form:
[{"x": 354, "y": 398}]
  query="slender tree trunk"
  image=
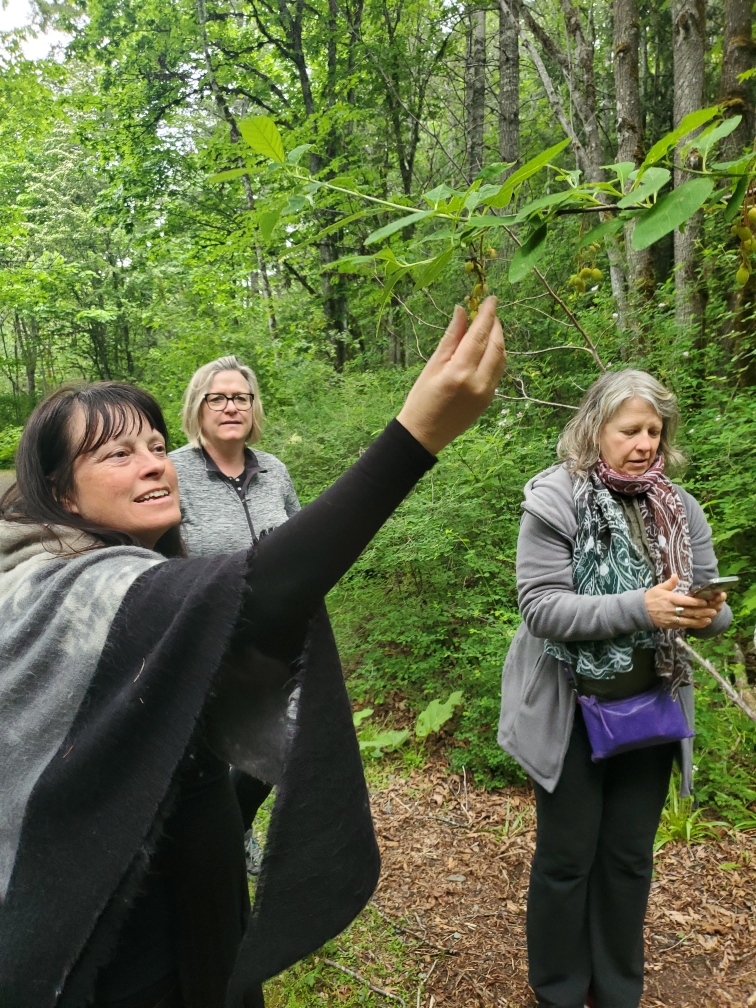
[
  {"x": 476, "y": 91},
  {"x": 738, "y": 52},
  {"x": 225, "y": 112},
  {"x": 509, "y": 81},
  {"x": 630, "y": 145},
  {"x": 688, "y": 35}
]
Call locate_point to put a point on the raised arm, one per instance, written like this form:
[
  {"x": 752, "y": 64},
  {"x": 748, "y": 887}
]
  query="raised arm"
[{"x": 299, "y": 562}]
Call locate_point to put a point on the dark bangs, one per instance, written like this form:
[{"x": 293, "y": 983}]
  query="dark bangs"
[
  {"x": 47, "y": 451},
  {"x": 110, "y": 409}
]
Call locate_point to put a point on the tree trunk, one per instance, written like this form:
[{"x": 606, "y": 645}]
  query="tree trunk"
[
  {"x": 584, "y": 52},
  {"x": 688, "y": 34},
  {"x": 225, "y": 112},
  {"x": 737, "y": 57},
  {"x": 476, "y": 92},
  {"x": 509, "y": 81},
  {"x": 630, "y": 146}
]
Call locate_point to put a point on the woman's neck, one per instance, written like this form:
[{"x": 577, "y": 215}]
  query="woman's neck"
[{"x": 228, "y": 456}]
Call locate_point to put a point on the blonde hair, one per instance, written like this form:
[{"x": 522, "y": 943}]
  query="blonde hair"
[
  {"x": 578, "y": 446},
  {"x": 199, "y": 386}
]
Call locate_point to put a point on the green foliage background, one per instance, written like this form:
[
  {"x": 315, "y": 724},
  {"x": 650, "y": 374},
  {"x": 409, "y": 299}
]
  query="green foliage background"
[{"x": 119, "y": 258}]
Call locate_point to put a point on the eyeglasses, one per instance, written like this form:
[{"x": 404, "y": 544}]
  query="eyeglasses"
[{"x": 217, "y": 401}]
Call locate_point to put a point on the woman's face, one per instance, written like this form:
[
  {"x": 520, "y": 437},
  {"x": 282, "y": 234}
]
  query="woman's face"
[
  {"x": 229, "y": 425},
  {"x": 630, "y": 439},
  {"x": 128, "y": 484}
]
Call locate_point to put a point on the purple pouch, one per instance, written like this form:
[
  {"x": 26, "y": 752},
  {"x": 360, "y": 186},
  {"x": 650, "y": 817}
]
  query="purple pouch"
[{"x": 646, "y": 719}]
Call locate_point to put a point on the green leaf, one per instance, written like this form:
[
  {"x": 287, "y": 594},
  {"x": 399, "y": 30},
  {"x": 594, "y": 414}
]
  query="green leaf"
[
  {"x": 746, "y": 75},
  {"x": 689, "y": 123},
  {"x": 431, "y": 270},
  {"x": 397, "y": 225},
  {"x": 472, "y": 199},
  {"x": 441, "y": 192},
  {"x": 526, "y": 257},
  {"x": 294, "y": 204},
  {"x": 493, "y": 171},
  {"x": 651, "y": 182},
  {"x": 480, "y": 221},
  {"x": 604, "y": 230},
  {"x": 522, "y": 174},
  {"x": 295, "y": 156},
  {"x": 226, "y": 176},
  {"x": 622, "y": 170},
  {"x": 715, "y": 133},
  {"x": 388, "y": 740},
  {"x": 736, "y": 200},
  {"x": 359, "y": 716},
  {"x": 436, "y": 714},
  {"x": 266, "y": 221},
  {"x": 262, "y": 135},
  {"x": 672, "y": 210}
]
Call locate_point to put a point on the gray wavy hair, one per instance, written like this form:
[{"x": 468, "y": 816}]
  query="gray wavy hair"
[
  {"x": 578, "y": 446},
  {"x": 199, "y": 385}
]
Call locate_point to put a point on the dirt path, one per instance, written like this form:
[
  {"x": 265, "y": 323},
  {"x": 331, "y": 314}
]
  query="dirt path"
[{"x": 455, "y": 867}]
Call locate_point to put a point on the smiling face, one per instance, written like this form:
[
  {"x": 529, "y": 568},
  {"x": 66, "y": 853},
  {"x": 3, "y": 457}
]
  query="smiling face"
[
  {"x": 128, "y": 484},
  {"x": 230, "y": 425},
  {"x": 630, "y": 438}
]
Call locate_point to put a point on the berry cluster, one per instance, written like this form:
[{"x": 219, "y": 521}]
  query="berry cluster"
[
  {"x": 477, "y": 265},
  {"x": 744, "y": 232},
  {"x": 585, "y": 274}
]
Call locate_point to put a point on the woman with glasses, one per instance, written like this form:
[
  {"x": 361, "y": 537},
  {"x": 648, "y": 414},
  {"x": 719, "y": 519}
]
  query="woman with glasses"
[{"x": 229, "y": 494}]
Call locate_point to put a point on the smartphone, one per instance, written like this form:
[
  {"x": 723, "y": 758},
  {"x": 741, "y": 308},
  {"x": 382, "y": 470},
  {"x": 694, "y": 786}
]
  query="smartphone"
[{"x": 718, "y": 584}]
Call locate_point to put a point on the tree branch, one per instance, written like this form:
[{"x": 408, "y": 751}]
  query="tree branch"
[{"x": 729, "y": 690}]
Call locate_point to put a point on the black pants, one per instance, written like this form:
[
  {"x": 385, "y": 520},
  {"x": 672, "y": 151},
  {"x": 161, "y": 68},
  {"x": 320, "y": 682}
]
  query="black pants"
[{"x": 591, "y": 875}]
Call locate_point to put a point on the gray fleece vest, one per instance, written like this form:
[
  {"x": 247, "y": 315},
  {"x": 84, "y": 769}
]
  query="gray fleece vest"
[{"x": 214, "y": 519}]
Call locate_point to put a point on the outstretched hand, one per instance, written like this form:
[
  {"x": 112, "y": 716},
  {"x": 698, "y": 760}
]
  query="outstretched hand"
[{"x": 459, "y": 380}]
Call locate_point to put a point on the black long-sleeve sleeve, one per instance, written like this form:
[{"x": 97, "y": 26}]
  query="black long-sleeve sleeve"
[{"x": 295, "y": 565}]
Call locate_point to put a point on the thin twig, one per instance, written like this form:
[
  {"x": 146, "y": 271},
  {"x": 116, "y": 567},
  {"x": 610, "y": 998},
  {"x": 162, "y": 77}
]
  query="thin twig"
[
  {"x": 729, "y": 690},
  {"x": 362, "y": 979},
  {"x": 562, "y": 304},
  {"x": 532, "y": 353},
  {"x": 541, "y": 402},
  {"x": 431, "y": 325}
]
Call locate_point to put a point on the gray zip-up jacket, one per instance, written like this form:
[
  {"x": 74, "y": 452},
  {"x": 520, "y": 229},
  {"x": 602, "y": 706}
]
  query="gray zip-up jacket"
[
  {"x": 215, "y": 519},
  {"x": 537, "y": 701}
]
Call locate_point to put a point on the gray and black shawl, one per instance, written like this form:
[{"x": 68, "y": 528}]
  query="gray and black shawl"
[{"x": 112, "y": 660}]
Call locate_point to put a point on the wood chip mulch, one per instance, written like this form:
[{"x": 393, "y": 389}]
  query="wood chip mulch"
[{"x": 455, "y": 873}]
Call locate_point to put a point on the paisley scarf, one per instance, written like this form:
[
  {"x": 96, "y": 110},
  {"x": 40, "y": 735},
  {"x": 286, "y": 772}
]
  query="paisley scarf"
[{"x": 606, "y": 561}]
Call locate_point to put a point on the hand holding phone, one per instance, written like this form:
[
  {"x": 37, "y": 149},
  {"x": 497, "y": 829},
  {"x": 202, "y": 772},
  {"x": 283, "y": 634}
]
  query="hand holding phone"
[{"x": 713, "y": 587}]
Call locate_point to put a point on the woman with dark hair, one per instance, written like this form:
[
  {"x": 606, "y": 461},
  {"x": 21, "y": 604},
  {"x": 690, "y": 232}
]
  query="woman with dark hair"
[
  {"x": 132, "y": 678},
  {"x": 597, "y": 696}
]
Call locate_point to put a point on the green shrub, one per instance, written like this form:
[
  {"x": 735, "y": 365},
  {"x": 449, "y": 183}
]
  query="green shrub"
[{"x": 9, "y": 438}]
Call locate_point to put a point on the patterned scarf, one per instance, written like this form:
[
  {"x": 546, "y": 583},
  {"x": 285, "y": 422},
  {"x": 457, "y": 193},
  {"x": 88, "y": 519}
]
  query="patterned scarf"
[{"x": 606, "y": 561}]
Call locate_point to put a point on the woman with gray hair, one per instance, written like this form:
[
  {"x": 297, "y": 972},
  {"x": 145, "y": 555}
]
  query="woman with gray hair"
[
  {"x": 597, "y": 698},
  {"x": 229, "y": 494}
]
